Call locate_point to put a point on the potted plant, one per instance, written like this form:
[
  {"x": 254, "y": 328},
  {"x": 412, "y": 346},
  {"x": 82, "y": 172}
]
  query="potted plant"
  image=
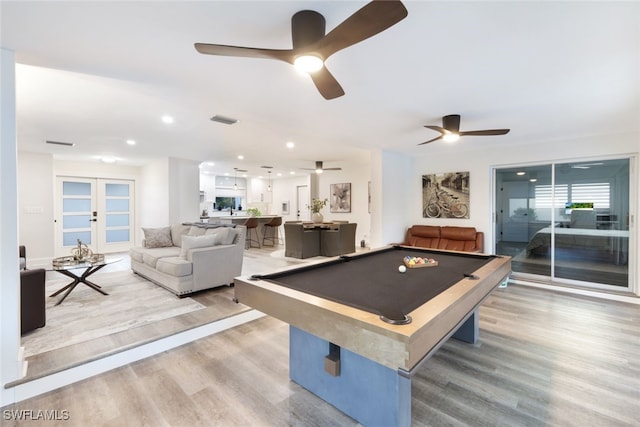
[
  {"x": 254, "y": 212},
  {"x": 315, "y": 207}
]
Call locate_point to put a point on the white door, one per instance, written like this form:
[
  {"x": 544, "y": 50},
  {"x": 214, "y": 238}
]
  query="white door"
[
  {"x": 302, "y": 203},
  {"x": 98, "y": 212}
]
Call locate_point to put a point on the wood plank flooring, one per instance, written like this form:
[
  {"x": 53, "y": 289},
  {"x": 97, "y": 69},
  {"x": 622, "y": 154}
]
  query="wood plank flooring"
[{"x": 544, "y": 359}]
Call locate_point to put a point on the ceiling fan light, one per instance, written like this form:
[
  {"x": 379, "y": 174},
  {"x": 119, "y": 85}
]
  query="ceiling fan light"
[
  {"x": 308, "y": 63},
  {"x": 318, "y": 171},
  {"x": 450, "y": 136}
]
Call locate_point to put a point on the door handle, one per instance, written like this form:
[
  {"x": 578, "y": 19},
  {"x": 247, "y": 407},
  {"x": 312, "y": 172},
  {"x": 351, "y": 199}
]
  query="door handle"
[{"x": 94, "y": 220}]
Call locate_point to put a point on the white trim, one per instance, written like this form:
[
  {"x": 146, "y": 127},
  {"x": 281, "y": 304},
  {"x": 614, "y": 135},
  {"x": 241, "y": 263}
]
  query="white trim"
[
  {"x": 630, "y": 299},
  {"x": 51, "y": 382}
]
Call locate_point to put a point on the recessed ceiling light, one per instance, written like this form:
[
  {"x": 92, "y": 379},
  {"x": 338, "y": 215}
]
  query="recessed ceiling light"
[
  {"x": 240, "y": 157},
  {"x": 520, "y": 173},
  {"x": 290, "y": 145},
  {"x": 279, "y": 174},
  {"x": 107, "y": 159},
  {"x": 226, "y": 174},
  {"x": 210, "y": 164},
  {"x": 292, "y": 173},
  {"x": 131, "y": 142},
  {"x": 533, "y": 180},
  {"x": 167, "y": 119}
]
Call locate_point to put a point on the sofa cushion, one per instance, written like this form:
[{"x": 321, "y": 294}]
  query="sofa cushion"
[
  {"x": 174, "y": 266},
  {"x": 231, "y": 236},
  {"x": 424, "y": 236},
  {"x": 222, "y": 234},
  {"x": 192, "y": 242},
  {"x": 157, "y": 237},
  {"x": 151, "y": 256},
  {"x": 177, "y": 231},
  {"x": 196, "y": 231},
  {"x": 136, "y": 254},
  {"x": 458, "y": 239}
]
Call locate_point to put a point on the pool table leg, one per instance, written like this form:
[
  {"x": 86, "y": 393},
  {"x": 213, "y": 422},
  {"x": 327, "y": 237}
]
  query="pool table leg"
[
  {"x": 371, "y": 393},
  {"x": 469, "y": 330}
]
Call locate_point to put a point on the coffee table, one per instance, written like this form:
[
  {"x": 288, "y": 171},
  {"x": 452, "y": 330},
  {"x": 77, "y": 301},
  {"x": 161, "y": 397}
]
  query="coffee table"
[{"x": 79, "y": 272}]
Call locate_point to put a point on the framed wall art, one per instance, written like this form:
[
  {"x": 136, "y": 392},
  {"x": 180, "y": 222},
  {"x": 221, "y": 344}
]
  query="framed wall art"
[
  {"x": 340, "y": 198},
  {"x": 445, "y": 195}
]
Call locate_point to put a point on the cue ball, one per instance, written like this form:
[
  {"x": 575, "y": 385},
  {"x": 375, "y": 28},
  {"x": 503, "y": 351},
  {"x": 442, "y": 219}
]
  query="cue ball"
[{"x": 402, "y": 269}]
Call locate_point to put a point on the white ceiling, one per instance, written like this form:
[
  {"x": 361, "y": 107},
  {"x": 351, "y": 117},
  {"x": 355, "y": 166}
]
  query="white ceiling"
[{"x": 99, "y": 73}]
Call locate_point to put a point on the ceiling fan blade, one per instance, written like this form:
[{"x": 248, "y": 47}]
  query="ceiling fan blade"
[
  {"x": 431, "y": 140},
  {"x": 370, "y": 20},
  {"x": 436, "y": 128},
  {"x": 246, "y": 52},
  {"x": 486, "y": 132},
  {"x": 332, "y": 169},
  {"x": 327, "y": 84}
]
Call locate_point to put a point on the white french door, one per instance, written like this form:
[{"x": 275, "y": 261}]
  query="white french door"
[{"x": 98, "y": 212}]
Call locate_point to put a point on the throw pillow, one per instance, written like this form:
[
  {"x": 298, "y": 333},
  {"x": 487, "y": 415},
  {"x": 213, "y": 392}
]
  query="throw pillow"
[
  {"x": 193, "y": 242},
  {"x": 157, "y": 237}
]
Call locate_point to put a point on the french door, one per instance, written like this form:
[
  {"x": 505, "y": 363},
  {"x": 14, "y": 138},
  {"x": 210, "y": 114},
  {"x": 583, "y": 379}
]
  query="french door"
[{"x": 97, "y": 212}]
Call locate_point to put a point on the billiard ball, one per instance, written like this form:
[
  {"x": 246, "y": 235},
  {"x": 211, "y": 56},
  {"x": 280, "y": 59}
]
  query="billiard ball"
[{"x": 402, "y": 269}]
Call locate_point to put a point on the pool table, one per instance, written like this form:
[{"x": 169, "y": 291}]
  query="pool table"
[{"x": 359, "y": 327}]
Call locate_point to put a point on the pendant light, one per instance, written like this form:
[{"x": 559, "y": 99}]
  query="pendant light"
[
  {"x": 269, "y": 187},
  {"x": 235, "y": 179}
]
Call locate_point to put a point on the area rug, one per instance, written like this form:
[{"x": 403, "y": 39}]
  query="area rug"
[{"x": 86, "y": 314}]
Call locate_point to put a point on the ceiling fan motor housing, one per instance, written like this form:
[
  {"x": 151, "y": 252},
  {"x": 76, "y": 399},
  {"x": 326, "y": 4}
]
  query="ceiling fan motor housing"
[
  {"x": 451, "y": 123},
  {"x": 307, "y": 27}
]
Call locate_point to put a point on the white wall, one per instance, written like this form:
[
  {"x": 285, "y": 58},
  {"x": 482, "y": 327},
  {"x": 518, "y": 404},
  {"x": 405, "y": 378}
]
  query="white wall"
[
  {"x": 35, "y": 206},
  {"x": 285, "y": 190},
  {"x": 359, "y": 175},
  {"x": 184, "y": 191},
  {"x": 154, "y": 196},
  {"x": 10, "y": 361}
]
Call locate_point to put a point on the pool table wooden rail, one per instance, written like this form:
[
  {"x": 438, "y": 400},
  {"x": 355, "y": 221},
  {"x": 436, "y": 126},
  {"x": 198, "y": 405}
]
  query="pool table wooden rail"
[{"x": 394, "y": 346}]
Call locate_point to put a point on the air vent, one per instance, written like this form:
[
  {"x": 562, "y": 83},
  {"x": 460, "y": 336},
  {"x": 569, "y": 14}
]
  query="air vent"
[
  {"x": 66, "y": 144},
  {"x": 224, "y": 120}
]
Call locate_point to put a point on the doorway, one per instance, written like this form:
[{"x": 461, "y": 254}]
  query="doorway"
[
  {"x": 302, "y": 203},
  {"x": 567, "y": 223},
  {"x": 97, "y": 212}
]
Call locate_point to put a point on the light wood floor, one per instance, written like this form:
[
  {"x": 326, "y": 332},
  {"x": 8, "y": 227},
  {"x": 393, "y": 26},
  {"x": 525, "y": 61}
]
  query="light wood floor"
[
  {"x": 218, "y": 302},
  {"x": 544, "y": 359}
]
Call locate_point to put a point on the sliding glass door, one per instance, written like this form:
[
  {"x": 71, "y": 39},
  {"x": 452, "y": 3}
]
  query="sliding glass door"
[{"x": 567, "y": 222}]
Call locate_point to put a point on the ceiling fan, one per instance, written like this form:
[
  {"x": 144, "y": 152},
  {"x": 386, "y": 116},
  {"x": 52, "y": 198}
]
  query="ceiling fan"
[
  {"x": 312, "y": 46},
  {"x": 319, "y": 169},
  {"x": 450, "y": 130}
]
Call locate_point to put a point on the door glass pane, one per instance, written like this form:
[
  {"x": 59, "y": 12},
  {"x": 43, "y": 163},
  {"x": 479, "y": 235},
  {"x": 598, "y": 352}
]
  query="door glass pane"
[
  {"x": 117, "y": 220},
  {"x": 117, "y": 190},
  {"x": 115, "y": 236},
  {"x": 117, "y": 205},
  {"x": 76, "y": 188},
  {"x": 76, "y": 221},
  {"x": 76, "y": 205},
  {"x": 524, "y": 207},
  {"x": 71, "y": 238},
  {"x": 592, "y": 235}
]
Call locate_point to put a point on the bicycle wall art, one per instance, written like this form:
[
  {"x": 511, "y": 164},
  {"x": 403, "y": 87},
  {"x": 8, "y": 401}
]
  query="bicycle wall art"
[{"x": 445, "y": 195}]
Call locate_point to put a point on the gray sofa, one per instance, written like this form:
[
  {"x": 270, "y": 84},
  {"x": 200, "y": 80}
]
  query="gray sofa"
[{"x": 187, "y": 258}]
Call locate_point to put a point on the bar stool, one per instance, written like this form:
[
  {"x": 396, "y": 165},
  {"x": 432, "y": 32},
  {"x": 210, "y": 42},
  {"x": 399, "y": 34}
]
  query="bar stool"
[
  {"x": 272, "y": 231},
  {"x": 252, "y": 225}
]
